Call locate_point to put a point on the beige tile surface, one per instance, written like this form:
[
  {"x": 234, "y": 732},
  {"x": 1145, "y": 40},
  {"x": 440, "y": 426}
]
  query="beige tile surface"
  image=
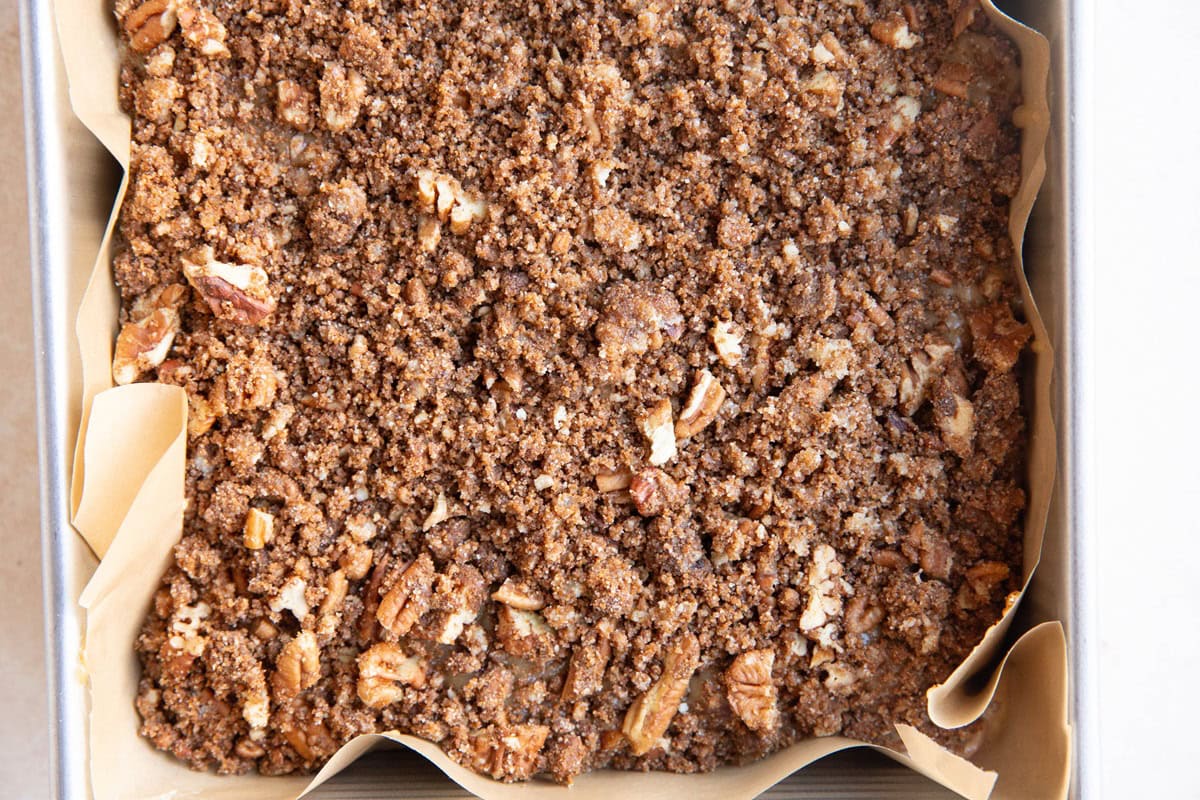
[{"x": 23, "y": 763}]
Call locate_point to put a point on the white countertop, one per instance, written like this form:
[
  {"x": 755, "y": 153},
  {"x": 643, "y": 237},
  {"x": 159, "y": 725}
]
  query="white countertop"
[{"x": 1145, "y": 354}]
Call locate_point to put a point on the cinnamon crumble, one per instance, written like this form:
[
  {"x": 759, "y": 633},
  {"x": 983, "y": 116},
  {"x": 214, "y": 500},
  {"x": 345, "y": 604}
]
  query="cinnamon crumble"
[{"x": 574, "y": 385}]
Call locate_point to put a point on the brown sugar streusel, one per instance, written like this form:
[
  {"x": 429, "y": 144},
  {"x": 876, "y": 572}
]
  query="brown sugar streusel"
[{"x": 572, "y": 384}]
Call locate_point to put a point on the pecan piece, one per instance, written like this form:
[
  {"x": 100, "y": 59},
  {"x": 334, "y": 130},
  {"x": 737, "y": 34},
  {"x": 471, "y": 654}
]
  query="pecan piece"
[
  {"x": 659, "y": 429},
  {"x": 311, "y": 741},
  {"x": 408, "y": 599},
  {"x": 894, "y": 32},
  {"x": 751, "y": 691},
  {"x": 997, "y": 337},
  {"x": 509, "y": 752},
  {"x": 383, "y": 671},
  {"x": 146, "y": 338},
  {"x": 654, "y": 491},
  {"x": 702, "y": 406},
  {"x": 236, "y": 292},
  {"x": 258, "y": 530},
  {"x": 651, "y": 714},
  {"x": 298, "y": 666},
  {"x": 150, "y": 24},
  {"x": 918, "y": 375},
  {"x": 955, "y": 417},
  {"x": 524, "y": 634},
  {"x": 518, "y": 595},
  {"x": 585, "y": 673}
]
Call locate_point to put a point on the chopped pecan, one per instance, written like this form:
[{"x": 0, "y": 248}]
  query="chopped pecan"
[
  {"x": 825, "y": 591},
  {"x": 651, "y": 714},
  {"x": 291, "y": 598},
  {"x": 311, "y": 740},
  {"x": 335, "y": 593},
  {"x": 862, "y": 615},
  {"x": 955, "y": 417},
  {"x": 203, "y": 31},
  {"x": 637, "y": 318},
  {"x": 524, "y": 634},
  {"x": 953, "y": 78},
  {"x": 236, "y": 292},
  {"x": 518, "y": 594},
  {"x": 383, "y": 671},
  {"x": 342, "y": 93},
  {"x": 509, "y": 752},
  {"x": 727, "y": 341},
  {"x": 659, "y": 429},
  {"x": 150, "y": 24},
  {"x": 259, "y": 529},
  {"x": 918, "y": 375},
  {"x": 702, "y": 406},
  {"x": 409, "y": 598},
  {"x": 585, "y": 673},
  {"x": 299, "y": 664},
  {"x": 997, "y": 337},
  {"x": 146, "y": 338},
  {"x": 751, "y": 691},
  {"x": 613, "y": 481},
  {"x": 654, "y": 491},
  {"x": 460, "y": 594},
  {"x": 894, "y": 32}
]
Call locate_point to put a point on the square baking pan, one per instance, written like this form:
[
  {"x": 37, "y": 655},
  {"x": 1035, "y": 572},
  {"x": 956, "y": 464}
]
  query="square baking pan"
[{"x": 67, "y": 219}]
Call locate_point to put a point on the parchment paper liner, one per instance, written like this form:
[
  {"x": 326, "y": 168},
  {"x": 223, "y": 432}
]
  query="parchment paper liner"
[{"x": 127, "y": 490}]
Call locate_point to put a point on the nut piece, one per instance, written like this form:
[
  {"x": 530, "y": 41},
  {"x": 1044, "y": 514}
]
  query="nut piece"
[
  {"x": 342, "y": 94},
  {"x": 894, "y": 32},
  {"x": 997, "y": 337},
  {"x": 524, "y": 634},
  {"x": 404, "y": 604},
  {"x": 203, "y": 31},
  {"x": 986, "y": 575},
  {"x": 727, "y": 341},
  {"x": 654, "y": 491},
  {"x": 954, "y": 79},
  {"x": 861, "y": 615},
  {"x": 145, "y": 340},
  {"x": 651, "y": 714},
  {"x": 239, "y": 293},
  {"x": 335, "y": 593},
  {"x": 613, "y": 481},
  {"x": 150, "y": 24},
  {"x": 293, "y": 105},
  {"x": 259, "y": 529},
  {"x": 439, "y": 513},
  {"x": 291, "y": 598},
  {"x": 337, "y": 213},
  {"x": 637, "y": 317},
  {"x": 383, "y": 671},
  {"x": 460, "y": 593},
  {"x": 443, "y": 198},
  {"x": 659, "y": 429},
  {"x": 825, "y": 591},
  {"x": 702, "y": 406},
  {"x": 311, "y": 740},
  {"x": 510, "y": 752},
  {"x": 516, "y": 594},
  {"x": 919, "y": 373},
  {"x": 955, "y": 417},
  {"x": 750, "y": 690},
  {"x": 299, "y": 665},
  {"x": 585, "y": 673}
]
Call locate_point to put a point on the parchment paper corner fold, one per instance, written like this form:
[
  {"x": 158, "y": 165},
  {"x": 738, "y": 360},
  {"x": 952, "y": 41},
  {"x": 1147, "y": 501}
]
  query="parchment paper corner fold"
[{"x": 127, "y": 499}]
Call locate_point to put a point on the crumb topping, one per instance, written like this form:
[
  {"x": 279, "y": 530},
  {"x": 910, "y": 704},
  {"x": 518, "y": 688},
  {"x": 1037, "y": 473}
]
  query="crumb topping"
[{"x": 623, "y": 384}]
